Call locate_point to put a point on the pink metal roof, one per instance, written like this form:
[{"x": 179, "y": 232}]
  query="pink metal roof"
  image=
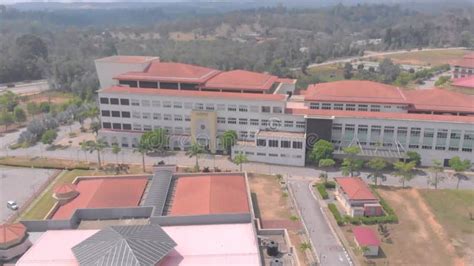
[
  {"x": 241, "y": 79},
  {"x": 466, "y": 82},
  {"x": 10, "y": 233},
  {"x": 104, "y": 193},
  {"x": 217, "y": 244},
  {"x": 365, "y": 236}
]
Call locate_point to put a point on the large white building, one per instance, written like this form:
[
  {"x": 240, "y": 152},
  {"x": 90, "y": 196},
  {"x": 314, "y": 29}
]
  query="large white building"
[{"x": 274, "y": 124}]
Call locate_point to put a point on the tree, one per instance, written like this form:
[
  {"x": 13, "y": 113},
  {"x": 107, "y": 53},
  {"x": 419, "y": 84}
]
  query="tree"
[
  {"x": 95, "y": 127},
  {"x": 143, "y": 148},
  {"x": 351, "y": 163},
  {"x": 194, "y": 151},
  {"x": 6, "y": 119},
  {"x": 405, "y": 170},
  {"x": 322, "y": 149},
  {"x": 459, "y": 166},
  {"x": 45, "y": 107},
  {"x": 377, "y": 165},
  {"x": 325, "y": 164},
  {"x": 228, "y": 140},
  {"x": 389, "y": 70},
  {"x": 32, "y": 108},
  {"x": 96, "y": 146},
  {"x": 437, "y": 172},
  {"x": 414, "y": 156},
  {"x": 19, "y": 115},
  {"x": 8, "y": 101},
  {"x": 116, "y": 150},
  {"x": 348, "y": 71},
  {"x": 49, "y": 136},
  {"x": 240, "y": 159},
  {"x": 84, "y": 148}
]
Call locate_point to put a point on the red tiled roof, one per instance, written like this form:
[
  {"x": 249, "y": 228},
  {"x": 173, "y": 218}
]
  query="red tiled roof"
[
  {"x": 11, "y": 233},
  {"x": 210, "y": 194},
  {"x": 241, "y": 79},
  {"x": 171, "y": 72},
  {"x": 381, "y": 115},
  {"x": 189, "y": 93},
  {"x": 108, "y": 192},
  {"x": 365, "y": 236},
  {"x": 362, "y": 91},
  {"x": 129, "y": 59},
  {"x": 440, "y": 100},
  {"x": 355, "y": 188},
  {"x": 65, "y": 188},
  {"x": 466, "y": 82}
]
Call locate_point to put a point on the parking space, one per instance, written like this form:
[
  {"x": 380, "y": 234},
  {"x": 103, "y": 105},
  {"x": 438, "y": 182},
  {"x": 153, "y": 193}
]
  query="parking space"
[{"x": 19, "y": 184}]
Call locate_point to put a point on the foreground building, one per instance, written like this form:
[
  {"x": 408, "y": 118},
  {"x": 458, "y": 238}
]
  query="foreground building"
[
  {"x": 356, "y": 198},
  {"x": 275, "y": 125}
]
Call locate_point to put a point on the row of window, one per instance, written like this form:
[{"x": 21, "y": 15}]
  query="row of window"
[
  {"x": 190, "y": 105},
  {"x": 280, "y": 143},
  {"x": 261, "y": 122},
  {"x": 281, "y": 155},
  {"x": 353, "y": 107}
]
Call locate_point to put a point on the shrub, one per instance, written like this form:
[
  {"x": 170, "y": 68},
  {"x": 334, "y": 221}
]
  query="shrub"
[
  {"x": 322, "y": 191},
  {"x": 335, "y": 212},
  {"x": 330, "y": 184}
]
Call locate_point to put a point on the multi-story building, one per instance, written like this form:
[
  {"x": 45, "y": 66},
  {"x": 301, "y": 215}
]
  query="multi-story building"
[
  {"x": 274, "y": 124},
  {"x": 464, "y": 67}
]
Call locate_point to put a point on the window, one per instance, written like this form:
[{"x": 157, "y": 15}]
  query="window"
[
  {"x": 314, "y": 106},
  {"x": 137, "y": 127},
  {"x": 273, "y": 155},
  {"x": 177, "y": 105},
  {"x": 243, "y": 121},
  {"x": 104, "y": 100},
  {"x": 243, "y": 134},
  {"x": 210, "y": 107},
  {"x": 221, "y": 107},
  {"x": 363, "y": 107},
  {"x": 188, "y": 105},
  {"x": 264, "y": 123},
  {"x": 117, "y": 126},
  {"x": 254, "y": 122},
  {"x": 114, "y": 101},
  {"x": 124, "y": 102},
  {"x": 375, "y": 108},
  {"x": 148, "y": 84},
  {"x": 232, "y": 108},
  {"x": 147, "y": 127},
  {"x": 167, "y": 117},
  {"x": 187, "y": 118},
  {"x": 105, "y": 113},
  {"x": 127, "y": 126},
  {"x": 261, "y": 154},
  {"x": 273, "y": 143},
  {"x": 254, "y": 108},
  {"x": 350, "y": 107},
  {"x": 285, "y": 144},
  {"x": 326, "y": 106},
  {"x": 249, "y": 153},
  {"x": 136, "y": 115},
  {"x": 232, "y": 120},
  {"x": 167, "y": 104},
  {"x": 277, "y": 110},
  {"x": 146, "y": 115},
  {"x": 288, "y": 123},
  {"x": 220, "y": 120},
  {"x": 266, "y": 109},
  {"x": 261, "y": 142},
  {"x": 135, "y": 102},
  {"x": 199, "y": 106},
  {"x": 243, "y": 108},
  {"x": 115, "y": 114},
  {"x": 156, "y": 116},
  {"x": 297, "y": 145},
  {"x": 338, "y": 106},
  {"x": 300, "y": 124},
  {"x": 126, "y": 114},
  {"x": 106, "y": 125},
  {"x": 178, "y": 118}
]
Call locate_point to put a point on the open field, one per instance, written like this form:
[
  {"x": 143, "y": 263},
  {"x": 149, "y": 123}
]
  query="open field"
[
  {"x": 273, "y": 205},
  {"x": 433, "y": 58},
  {"x": 51, "y": 96},
  {"x": 419, "y": 238},
  {"x": 328, "y": 73},
  {"x": 38, "y": 162}
]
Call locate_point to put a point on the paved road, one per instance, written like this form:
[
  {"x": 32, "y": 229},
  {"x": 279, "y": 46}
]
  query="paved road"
[
  {"x": 28, "y": 88},
  {"x": 327, "y": 246}
]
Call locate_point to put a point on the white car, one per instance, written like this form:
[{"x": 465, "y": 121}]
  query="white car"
[{"x": 11, "y": 204}]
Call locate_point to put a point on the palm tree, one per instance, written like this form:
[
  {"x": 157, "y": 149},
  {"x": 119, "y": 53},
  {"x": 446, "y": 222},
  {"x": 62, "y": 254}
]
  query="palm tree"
[
  {"x": 116, "y": 150},
  {"x": 377, "y": 165},
  {"x": 85, "y": 149},
  {"x": 142, "y": 148},
  {"x": 405, "y": 171},
  {"x": 195, "y": 150},
  {"x": 438, "y": 173},
  {"x": 325, "y": 164},
  {"x": 98, "y": 146},
  {"x": 240, "y": 159},
  {"x": 351, "y": 164}
]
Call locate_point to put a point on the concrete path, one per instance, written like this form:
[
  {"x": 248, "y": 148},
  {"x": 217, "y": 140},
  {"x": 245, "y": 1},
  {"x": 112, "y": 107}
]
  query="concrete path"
[{"x": 326, "y": 245}]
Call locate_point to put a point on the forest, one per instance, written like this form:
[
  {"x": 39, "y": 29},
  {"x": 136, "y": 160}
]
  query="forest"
[{"x": 60, "y": 45}]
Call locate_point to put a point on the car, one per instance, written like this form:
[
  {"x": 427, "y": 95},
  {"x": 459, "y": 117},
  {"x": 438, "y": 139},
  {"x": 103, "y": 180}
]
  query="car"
[{"x": 11, "y": 204}]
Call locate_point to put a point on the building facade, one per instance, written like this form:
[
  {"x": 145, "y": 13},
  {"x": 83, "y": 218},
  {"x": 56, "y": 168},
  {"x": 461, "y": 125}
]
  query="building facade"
[{"x": 273, "y": 124}]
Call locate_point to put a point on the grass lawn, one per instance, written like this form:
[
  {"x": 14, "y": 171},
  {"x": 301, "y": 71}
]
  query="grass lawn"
[
  {"x": 38, "y": 162},
  {"x": 428, "y": 57},
  {"x": 452, "y": 209},
  {"x": 328, "y": 73}
]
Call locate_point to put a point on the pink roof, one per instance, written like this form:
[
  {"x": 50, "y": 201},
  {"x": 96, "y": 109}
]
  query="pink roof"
[
  {"x": 467, "y": 61},
  {"x": 362, "y": 91},
  {"x": 211, "y": 194},
  {"x": 11, "y": 233},
  {"x": 65, "y": 188},
  {"x": 241, "y": 79},
  {"x": 54, "y": 248},
  {"x": 205, "y": 94},
  {"x": 104, "y": 193},
  {"x": 365, "y": 236},
  {"x": 355, "y": 188},
  {"x": 171, "y": 72},
  {"x": 466, "y": 82},
  {"x": 382, "y": 115},
  {"x": 129, "y": 59},
  {"x": 440, "y": 100},
  {"x": 217, "y": 244}
]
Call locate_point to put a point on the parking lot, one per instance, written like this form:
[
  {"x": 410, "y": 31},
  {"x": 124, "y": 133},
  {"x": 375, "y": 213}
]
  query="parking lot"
[{"x": 19, "y": 184}]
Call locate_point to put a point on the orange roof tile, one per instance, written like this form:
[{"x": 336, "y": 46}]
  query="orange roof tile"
[
  {"x": 467, "y": 82},
  {"x": 189, "y": 93},
  {"x": 440, "y": 100},
  {"x": 355, "y": 188},
  {"x": 210, "y": 194},
  {"x": 365, "y": 236},
  {"x": 241, "y": 79},
  {"x": 171, "y": 72},
  {"x": 362, "y": 91},
  {"x": 11, "y": 232}
]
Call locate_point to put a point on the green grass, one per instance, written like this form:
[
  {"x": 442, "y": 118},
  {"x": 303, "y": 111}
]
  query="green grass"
[
  {"x": 322, "y": 191},
  {"x": 332, "y": 72},
  {"x": 45, "y": 163},
  {"x": 45, "y": 202},
  {"x": 428, "y": 57}
]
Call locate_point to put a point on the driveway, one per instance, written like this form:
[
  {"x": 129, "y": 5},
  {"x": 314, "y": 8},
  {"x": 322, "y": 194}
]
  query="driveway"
[{"x": 327, "y": 246}]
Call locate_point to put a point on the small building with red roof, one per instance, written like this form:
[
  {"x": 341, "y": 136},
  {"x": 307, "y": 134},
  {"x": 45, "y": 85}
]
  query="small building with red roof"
[
  {"x": 367, "y": 240},
  {"x": 13, "y": 241},
  {"x": 464, "y": 67},
  {"x": 465, "y": 85},
  {"x": 356, "y": 197}
]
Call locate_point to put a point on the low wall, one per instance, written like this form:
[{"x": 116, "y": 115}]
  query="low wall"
[{"x": 201, "y": 219}]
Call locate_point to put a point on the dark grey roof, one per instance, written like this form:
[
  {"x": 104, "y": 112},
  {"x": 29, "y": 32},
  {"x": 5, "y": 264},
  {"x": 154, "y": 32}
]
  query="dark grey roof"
[
  {"x": 136, "y": 245},
  {"x": 158, "y": 191}
]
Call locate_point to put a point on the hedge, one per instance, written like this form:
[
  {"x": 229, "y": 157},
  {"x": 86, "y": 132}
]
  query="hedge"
[
  {"x": 330, "y": 184},
  {"x": 335, "y": 212},
  {"x": 322, "y": 191}
]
